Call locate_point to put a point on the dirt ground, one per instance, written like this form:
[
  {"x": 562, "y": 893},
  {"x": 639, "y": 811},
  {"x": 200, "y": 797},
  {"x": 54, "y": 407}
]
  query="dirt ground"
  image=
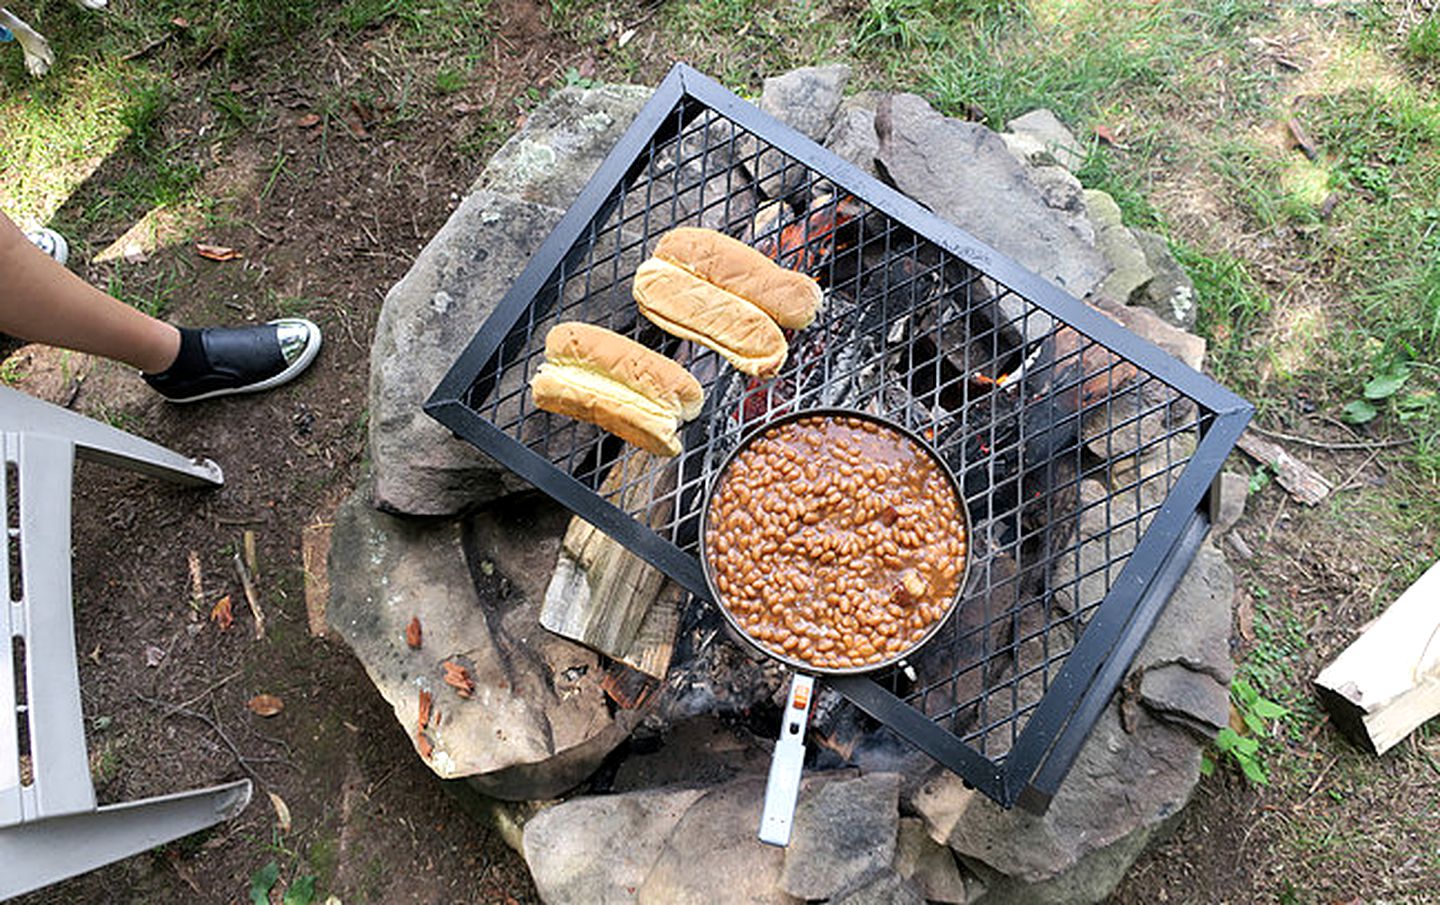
[{"x": 346, "y": 205}]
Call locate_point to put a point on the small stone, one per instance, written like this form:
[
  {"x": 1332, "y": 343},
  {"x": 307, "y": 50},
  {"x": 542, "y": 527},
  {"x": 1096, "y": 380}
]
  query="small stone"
[
  {"x": 1046, "y": 127},
  {"x": 1237, "y": 543},
  {"x": 843, "y": 831},
  {"x": 1234, "y": 489},
  {"x": 931, "y": 866},
  {"x": 1194, "y": 628},
  {"x": 1187, "y": 347},
  {"x": 1029, "y": 150},
  {"x": 1129, "y": 269},
  {"x": 598, "y": 849},
  {"x": 1170, "y": 293}
]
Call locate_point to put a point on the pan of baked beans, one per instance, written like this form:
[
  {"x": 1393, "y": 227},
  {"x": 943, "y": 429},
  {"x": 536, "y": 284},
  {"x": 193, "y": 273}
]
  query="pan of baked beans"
[{"x": 835, "y": 541}]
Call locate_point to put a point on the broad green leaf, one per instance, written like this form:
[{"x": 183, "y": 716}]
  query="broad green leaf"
[
  {"x": 301, "y": 892},
  {"x": 1256, "y": 724},
  {"x": 261, "y": 882},
  {"x": 1207, "y": 765},
  {"x": 1358, "y": 412},
  {"x": 1253, "y": 771},
  {"x": 1268, "y": 709},
  {"x": 1246, "y": 745},
  {"x": 1386, "y": 385}
]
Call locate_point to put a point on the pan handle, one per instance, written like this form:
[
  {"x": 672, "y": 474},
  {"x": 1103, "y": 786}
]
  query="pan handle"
[{"x": 786, "y": 764}]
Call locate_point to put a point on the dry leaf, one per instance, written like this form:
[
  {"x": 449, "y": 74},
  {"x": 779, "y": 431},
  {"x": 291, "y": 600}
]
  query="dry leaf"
[
  {"x": 216, "y": 252},
  {"x": 308, "y": 121},
  {"x": 1106, "y": 135},
  {"x": 265, "y": 705},
  {"x": 282, "y": 812},
  {"x": 221, "y": 615},
  {"x": 425, "y": 701},
  {"x": 412, "y": 633},
  {"x": 423, "y": 743},
  {"x": 154, "y": 656},
  {"x": 197, "y": 585},
  {"x": 458, "y": 678}
]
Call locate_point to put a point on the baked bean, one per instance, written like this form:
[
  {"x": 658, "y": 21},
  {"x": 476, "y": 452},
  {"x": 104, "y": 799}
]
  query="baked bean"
[{"x": 836, "y": 541}]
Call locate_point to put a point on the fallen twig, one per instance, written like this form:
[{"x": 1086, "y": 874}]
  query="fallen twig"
[
  {"x": 1329, "y": 444},
  {"x": 252, "y": 597},
  {"x": 244, "y": 762}
]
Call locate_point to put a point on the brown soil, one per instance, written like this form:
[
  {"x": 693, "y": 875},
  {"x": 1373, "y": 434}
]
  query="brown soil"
[{"x": 165, "y": 688}]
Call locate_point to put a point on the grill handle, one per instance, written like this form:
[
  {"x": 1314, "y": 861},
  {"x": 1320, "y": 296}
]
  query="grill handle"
[{"x": 786, "y": 764}]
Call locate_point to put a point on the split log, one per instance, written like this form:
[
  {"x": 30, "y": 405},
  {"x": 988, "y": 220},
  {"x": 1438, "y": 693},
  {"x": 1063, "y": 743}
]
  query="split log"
[
  {"x": 1303, "y": 482},
  {"x": 1387, "y": 682},
  {"x": 606, "y": 597}
]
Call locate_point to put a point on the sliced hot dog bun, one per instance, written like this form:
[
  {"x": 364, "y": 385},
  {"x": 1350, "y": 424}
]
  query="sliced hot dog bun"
[
  {"x": 604, "y": 378},
  {"x": 683, "y": 304},
  {"x": 789, "y": 297}
]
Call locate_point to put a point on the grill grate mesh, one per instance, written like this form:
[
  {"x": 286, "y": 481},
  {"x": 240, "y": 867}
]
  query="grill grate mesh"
[{"x": 1067, "y": 443}]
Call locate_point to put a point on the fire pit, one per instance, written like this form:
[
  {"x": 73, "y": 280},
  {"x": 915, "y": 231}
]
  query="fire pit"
[{"x": 1026, "y": 392}]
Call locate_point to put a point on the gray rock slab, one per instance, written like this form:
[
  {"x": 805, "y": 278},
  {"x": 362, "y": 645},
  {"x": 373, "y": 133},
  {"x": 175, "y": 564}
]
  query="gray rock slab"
[
  {"x": 1063, "y": 192},
  {"x": 1170, "y": 292},
  {"x": 712, "y": 855},
  {"x": 807, "y": 100},
  {"x": 1121, "y": 782},
  {"x": 932, "y": 867},
  {"x": 549, "y": 160},
  {"x": 1191, "y": 699},
  {"x": 1094, "y": 876},
  {"x": 880, "y": 887},
  {"x": 964, "y": 173},
  {"x": 1028, "y": 149},
  {"x": 537, "y": 721},
  {"x": 427, "y": 319},
  {"x": 853, "y": 137},
  {"x": 1194, "y": 628},
  {"x": 596, "y": 850},
  {"x": 1046, "y": 128},
  {"x": 1129, "y": 268},
  {"x": 843, "y": 831}
]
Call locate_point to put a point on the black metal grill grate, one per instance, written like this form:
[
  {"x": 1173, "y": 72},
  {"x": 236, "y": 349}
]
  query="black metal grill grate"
[{"x": 1035, "y": 399}]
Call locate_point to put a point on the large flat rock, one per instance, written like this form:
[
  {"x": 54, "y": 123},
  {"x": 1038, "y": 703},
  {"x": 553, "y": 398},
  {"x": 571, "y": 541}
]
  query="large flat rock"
[
  {"x": 537, "y": 722},
  {"x": 428, "y": 318}
]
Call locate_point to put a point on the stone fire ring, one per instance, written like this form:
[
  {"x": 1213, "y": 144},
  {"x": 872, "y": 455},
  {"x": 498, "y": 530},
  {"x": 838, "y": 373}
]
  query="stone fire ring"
[{"x": 441, "y": 534}]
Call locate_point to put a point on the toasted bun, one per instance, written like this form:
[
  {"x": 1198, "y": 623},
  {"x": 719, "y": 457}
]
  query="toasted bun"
[
  {"x": 606, "y": 379},
  {"x": 687, "y": 306},
  {"x": 789, "y": 297},
  {"x": 643, "y": 370}
]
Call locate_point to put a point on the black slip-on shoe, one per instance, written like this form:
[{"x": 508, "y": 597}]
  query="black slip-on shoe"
[{"x": 244, "y": 360}]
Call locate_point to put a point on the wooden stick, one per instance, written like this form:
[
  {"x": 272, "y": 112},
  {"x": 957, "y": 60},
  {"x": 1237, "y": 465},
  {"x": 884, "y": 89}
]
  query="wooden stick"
[
  {"x": 1303, "y": 482},
  {"x": 252, "y": 596}
]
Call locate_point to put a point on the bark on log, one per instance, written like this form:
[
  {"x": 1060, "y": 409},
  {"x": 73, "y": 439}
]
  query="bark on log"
[
  {"x": 606, "y": 597},
  {"x": 1387, "y": 682}
]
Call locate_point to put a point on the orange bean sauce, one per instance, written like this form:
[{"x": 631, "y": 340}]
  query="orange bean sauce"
[{"x": 836, "y": 541}]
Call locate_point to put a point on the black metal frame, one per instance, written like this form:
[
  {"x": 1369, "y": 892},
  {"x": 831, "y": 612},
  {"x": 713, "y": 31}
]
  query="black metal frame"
[{"x": 1031, "y": 771}]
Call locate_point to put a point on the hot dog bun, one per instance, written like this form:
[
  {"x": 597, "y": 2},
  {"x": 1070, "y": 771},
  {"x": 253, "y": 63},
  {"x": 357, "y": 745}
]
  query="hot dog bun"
[
  {"x": 789, "y": 297},
  {"x": 683, "y": 304},
  {"x": 604, "y": 378}
]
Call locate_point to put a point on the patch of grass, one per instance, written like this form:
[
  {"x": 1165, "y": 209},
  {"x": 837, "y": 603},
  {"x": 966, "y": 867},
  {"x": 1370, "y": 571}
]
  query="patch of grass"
[
  {"x": 449, "y": 80},
  {"x": 1422, "y": 44},
  {"x": 1230, "y": 305}
]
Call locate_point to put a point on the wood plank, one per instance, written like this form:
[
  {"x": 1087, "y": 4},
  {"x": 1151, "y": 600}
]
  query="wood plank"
[
  {"x": 1303, "y": 482},
  {"x": 1387, "y": 682},
  {"x": 606, "y": 597}
]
